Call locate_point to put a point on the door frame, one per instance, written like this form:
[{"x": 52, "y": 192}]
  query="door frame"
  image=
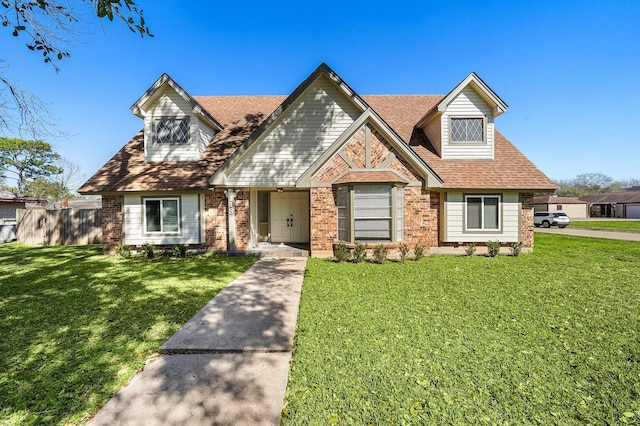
[{"x": 255, "y": 206}]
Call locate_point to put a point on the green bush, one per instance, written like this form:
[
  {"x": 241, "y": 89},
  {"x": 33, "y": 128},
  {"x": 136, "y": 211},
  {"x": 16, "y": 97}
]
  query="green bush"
[
  {"x": 471, "y": 249},
  {"x": 341, "y": 251},
  {"x": 359, "y": 253},
  {"x": 403, "y": 251},
  {"x": 180, "y": 250},
  {"x": 418, "y": 251},
  {"x": 124, "y": 251},
  {"x": 149, "y": 250},
  {"x": 380, "y": 253},
  {"x": 516, "y": 248},
  {"x": 493, "y": 248}
]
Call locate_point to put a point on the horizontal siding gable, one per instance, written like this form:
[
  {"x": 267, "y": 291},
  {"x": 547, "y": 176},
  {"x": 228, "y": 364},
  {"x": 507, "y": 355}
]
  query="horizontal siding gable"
[
  {"x": 467, "y": 104},
  {"x": 297, "y": 139},
  {"x": 170, "y": 104}
]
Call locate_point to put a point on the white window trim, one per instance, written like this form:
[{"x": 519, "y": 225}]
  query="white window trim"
[
  {"x": 482, "y": 228},
  {"x": 144, "y": 216},
  {"x": 468, "y": 117}
]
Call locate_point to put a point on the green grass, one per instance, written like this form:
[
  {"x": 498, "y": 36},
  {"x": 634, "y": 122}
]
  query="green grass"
[
  {"x": 608, "y": 225},
  {"x": 76, "y": 325},
  {"x": 552, "y": 337}
]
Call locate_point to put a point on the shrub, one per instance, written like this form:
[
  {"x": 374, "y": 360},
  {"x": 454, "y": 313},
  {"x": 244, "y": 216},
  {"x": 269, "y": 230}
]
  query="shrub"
[
  {"x": 180, "y": 250},
  {"x": 403, "y": 251},
  {"x": 380, "y": 253},
  {"x": 471, "y": 249},
  {"x": 493, "y": 248},
  {"x": 341, "y": 251},
  {"x": 359, "y": 253},
  {"x": 124, "y": 251},
  {"x": 418, "y": 251},
  {"x": 149, "y": 250},
  {"x": 516, "y": 248}
]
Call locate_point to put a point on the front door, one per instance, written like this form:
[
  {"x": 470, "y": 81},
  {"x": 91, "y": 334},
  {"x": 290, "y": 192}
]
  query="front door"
[{"x": 289, "y": 217}]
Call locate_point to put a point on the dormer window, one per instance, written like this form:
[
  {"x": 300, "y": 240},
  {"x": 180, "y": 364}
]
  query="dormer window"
[
  {"x": 467, "y": 130},
  {"x": 172, "y": 131}
]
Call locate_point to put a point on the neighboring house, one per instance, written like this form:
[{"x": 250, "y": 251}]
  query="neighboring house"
[
  {"x": 9, "y": 204},
  {"x": 614, "y": 204},
  {"x": 227, "y": 173},
  {"x": 574, "y": 207}
]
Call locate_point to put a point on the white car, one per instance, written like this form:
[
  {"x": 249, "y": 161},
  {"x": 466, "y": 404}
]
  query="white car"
[{"x": 547, "y": 219}]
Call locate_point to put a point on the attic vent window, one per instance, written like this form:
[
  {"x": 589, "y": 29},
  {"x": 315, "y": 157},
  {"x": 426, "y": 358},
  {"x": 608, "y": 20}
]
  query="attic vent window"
[
  {"x": 466, "y": 130},
  {"x": 172, "y": 131}
]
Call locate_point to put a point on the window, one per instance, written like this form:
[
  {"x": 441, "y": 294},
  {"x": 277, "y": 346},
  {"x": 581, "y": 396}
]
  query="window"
[
  {"x": 172, "y": 131},
  {"x": 369, "y": 213},
  {"x": 467, "y": 130},
  {"x": 559, "y": 207},
  {"x": 161, "y": 215},
  {"x": 483, "y": 212}
]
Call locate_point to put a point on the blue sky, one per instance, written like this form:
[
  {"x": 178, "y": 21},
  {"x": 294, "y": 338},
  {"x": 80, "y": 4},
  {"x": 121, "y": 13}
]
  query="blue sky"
[{"x": 569, "y": 70}]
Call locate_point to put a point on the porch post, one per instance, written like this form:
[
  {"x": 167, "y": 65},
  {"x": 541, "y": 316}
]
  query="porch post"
[{"x": 231, "y": 198}]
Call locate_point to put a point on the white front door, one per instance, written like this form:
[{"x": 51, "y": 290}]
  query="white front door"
[{"x": 289, "y": 217}]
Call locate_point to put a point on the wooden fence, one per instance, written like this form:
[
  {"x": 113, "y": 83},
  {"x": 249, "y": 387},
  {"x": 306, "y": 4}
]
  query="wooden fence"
[{"x": 59, "y": 227}]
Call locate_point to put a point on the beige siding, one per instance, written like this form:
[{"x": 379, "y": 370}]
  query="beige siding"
[
  {"x": 433, "y": 131},
  {"x": 574, "y": 211},
  {"x": 466, "y": 105},
  {"x": 297, "y": 139},
  {"x": 455, "y": 220},
  {"x": 189, "y": 223},
  {"x": 172, "y": 105}
]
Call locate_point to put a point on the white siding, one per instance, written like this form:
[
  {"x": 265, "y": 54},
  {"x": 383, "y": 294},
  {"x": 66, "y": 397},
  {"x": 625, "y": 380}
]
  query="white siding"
[
  {"x": 189, "y": 221},
  {"x": 455, "y": 220},
  {"x": 172, "y": 105},
  {"x": 466, "y": 105},
  {"x": 297, "y": 139}
]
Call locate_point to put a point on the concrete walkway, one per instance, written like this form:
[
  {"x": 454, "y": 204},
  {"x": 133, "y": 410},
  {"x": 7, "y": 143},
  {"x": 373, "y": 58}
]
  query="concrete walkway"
[
  {"x": 228, "y": 364},
  {"x": 612, "y": 235}
]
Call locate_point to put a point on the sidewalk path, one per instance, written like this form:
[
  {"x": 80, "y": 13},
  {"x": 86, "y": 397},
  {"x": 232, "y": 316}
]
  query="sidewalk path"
[
  {"x": 613, "y": 235},
  {"x": 228, "y": 364}
]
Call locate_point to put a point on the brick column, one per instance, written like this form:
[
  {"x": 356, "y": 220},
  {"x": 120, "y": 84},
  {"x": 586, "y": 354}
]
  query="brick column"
[
  {"x": 112, "y": 217},
  {"x": 526, "y": 219},
  {"x": 323, "y": 221},
  {"x": 215, "y": 221}
]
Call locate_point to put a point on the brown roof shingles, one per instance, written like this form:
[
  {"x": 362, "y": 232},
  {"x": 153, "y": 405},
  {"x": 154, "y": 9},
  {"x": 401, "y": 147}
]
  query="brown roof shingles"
[{"x": 241, "y": 115}]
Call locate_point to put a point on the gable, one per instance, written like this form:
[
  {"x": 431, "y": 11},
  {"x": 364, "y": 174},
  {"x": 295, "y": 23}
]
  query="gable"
[{"x": 296, "y": 139}]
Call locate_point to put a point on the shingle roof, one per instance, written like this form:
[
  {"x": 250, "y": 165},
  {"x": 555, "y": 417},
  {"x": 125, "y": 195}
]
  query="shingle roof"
[
  {"x": 613, "y": 197},
  {"x": 550, "y": 199},
  {"x": 241, "y": 115}
]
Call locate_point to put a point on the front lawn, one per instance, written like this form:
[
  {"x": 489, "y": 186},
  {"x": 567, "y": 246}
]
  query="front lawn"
[
  {"x": 551, "y": 337},
  {"x": 608, "y": 225},
  {"x": 76, "y": 325}
]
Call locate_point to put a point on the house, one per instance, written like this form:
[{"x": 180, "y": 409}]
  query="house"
[
  {"x": 574, "y": 207},
  {"x": 324, "y": 164},
  {"x": 9, "y": 204},
  {"x": 614, "y": 204}
]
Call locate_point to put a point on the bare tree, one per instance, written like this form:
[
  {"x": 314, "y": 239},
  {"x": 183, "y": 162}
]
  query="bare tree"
[{"x": 47, "y": 26}]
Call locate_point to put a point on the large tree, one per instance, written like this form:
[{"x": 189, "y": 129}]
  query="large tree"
[
  {"x": 47, "y": 25},
  {"x": 27, "y": 160}
]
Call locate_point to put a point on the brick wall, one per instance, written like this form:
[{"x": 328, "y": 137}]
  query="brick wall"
[
  {"x": 242, "y": 220},
  {"x": 526, "y": 219},
  {"x": 215, "y": 221},
  {"x": 112, "y": 215},
  {"x": 323, "y": 220}
]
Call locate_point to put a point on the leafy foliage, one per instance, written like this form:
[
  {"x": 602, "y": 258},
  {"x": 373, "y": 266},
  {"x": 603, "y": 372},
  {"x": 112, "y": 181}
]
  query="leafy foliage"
[
  {"x": 403, "y": 252},
  {"x": 592, "y": 183},
  {"x": 76, "y": 325},
  {"x": 180, "y": 251},
  {"x": 149, "y": 250},
  {"x": 516, "y": 248},
  {"x": 380, "y": 253},
  {"x": 124, "y": 251},
  {"x": 340, "y": 251},
  {"x": 418, "y": 251},
  {"x": 538, "y": 339},
  {"x": 493, "y": 248},
  {"x": 471, "y": 249},
  {"x": 359, "y": 253},
  {"x": 27, "y": 160}
]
